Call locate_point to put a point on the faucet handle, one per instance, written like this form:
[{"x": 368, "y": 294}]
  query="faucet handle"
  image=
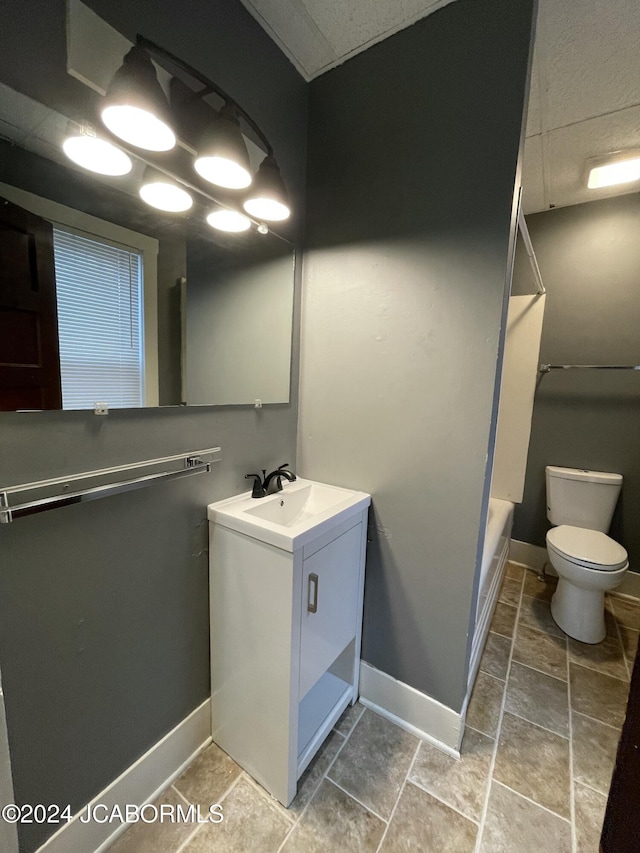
[{"x": 258, "y": 485}]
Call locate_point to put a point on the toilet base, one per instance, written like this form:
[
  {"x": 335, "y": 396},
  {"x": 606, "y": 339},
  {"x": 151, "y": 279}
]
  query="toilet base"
[{"x": 579, "y": 612}]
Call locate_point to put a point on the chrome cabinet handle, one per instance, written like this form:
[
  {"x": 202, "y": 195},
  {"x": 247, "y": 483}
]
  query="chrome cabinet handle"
[{"x": 312, "y": 601}]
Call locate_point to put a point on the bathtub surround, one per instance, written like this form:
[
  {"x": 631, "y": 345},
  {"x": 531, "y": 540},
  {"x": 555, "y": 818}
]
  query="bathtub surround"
[
  {"x": 103, "y": 606},
  {"x": 413, "y": 153},
  {"x": 589, "y": 255}
]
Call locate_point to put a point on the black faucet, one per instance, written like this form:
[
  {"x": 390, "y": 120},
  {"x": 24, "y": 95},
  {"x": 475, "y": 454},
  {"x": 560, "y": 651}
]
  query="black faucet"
[
  {"x": 269, "y": 484},
  {"x": 273, "y": 481}
]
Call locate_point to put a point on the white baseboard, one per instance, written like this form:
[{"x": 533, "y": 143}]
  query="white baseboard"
[
  {"x": 140, "y": 783},
  {"x": 535, "y": 557},
  {"x": 410, "y": 709},
  {"x": 531, "y": 556}
]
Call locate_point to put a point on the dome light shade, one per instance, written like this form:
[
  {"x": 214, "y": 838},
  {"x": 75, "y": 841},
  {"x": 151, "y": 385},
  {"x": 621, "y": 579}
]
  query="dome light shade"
[
  {"x": 618, "y": 169},
  {"x": 84, "y": 148},
  {"x": 228, "y": 220},
  {"x": 268, "y": 198},
  {"x": 222, "y": 154},
  {"x": 163, "y": 193},
  {"x": 135, "y": 108}
]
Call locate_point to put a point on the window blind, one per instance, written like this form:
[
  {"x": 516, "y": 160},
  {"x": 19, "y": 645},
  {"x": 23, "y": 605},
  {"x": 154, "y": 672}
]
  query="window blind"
[{"x": 99, "y": 292}]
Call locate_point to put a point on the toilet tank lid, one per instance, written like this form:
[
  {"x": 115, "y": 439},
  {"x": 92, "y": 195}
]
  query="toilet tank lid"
[
  {"x": 584, "y": 475},
  {"x": 589, "y": 546}
]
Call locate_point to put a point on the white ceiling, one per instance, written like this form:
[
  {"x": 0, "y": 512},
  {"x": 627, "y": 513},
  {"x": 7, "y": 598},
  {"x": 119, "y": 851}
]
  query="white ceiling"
[{"x": 585, "y": 87}]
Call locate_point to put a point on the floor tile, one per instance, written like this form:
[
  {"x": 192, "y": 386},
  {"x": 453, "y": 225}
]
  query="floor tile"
[
  {"x": 422, "y": 823},
  {"x": 374, "y": 761},
  {"x": 597, "y": 695},
  {"x": 629, "y": 639},
  {"x": 516, "y": 825},
  {"x": 514, "y": 571},
  {"x": 207, "y": 779},
  {"x": 251, "y": 822},
  {"x": 504, "y": 619},
  {"x": 495, "y": 657},
  {"x": 626, "y": 611},
  {"x": 536, "y": 613},
  {"x": 510, "y": 591},
  {"x": 542, "y": 589},
  {"x": 542, "y": 651},
  {"x": 461, "y": 784},
  {"x": 159, "y": 837},
  {"x": 349, "y": 718},
  {"x": 539, "y": 698},
  {"x": 607, "y": 656},
  {"x": 594, "y": 748},
  {"x": 334, "y": 821},
  {"x": 534, "y": 762},
  {"x": 589, "y": 816},
  {"x": 312, "y": 776},
  {"x": 483, "y": 713}
]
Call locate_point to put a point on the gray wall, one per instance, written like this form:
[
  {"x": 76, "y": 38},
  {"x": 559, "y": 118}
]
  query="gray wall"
[
  {"x": 413, "y": 150},
  {"x": 239, "y": 320},
  {"x": 103, "y": 606},
  {"x": 589, "y": 256}
]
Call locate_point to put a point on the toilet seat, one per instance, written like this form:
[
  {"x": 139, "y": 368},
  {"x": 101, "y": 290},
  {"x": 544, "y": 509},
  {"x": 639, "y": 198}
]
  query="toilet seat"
[{"x": 591, "y": 549}]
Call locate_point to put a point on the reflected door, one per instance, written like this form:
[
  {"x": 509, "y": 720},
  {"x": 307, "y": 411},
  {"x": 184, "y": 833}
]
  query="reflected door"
[{"x": 29, "y": 354}]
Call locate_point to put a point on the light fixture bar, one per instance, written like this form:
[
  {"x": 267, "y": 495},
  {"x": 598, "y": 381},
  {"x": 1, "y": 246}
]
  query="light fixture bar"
[{"x": 209, "y": 86}]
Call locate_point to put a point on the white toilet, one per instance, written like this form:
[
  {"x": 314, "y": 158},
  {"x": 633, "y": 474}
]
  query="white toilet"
[{"x": 588, "y": 562}]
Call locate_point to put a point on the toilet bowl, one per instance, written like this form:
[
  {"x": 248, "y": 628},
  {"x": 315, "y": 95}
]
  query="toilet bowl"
[{"x": 588, "y": 563}]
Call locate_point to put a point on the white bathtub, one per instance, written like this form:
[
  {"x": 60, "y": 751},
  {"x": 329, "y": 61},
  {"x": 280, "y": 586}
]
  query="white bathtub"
[{"x": 495, "y": 554}]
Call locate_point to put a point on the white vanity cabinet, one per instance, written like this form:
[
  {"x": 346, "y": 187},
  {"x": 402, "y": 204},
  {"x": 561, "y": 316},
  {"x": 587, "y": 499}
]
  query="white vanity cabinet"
[{"x": 286, "y": 623}]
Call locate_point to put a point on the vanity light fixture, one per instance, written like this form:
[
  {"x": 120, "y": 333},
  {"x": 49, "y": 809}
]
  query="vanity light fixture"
[
  {"x": 620, "y": 168},
  {"x": 135, "y": 108},
  {"x": 229, "y": 220},
  {"x": 136, "y": 111},
  {"x": 267, "y": 198},
  {"x": 85, "y": 148},
  {"x": 163, "y": 193}
]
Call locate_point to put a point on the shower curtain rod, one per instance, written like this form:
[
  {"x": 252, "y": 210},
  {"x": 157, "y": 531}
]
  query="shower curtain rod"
[
  {"x": 192, "y": 463},
  {"x": 545, "y": 368}
]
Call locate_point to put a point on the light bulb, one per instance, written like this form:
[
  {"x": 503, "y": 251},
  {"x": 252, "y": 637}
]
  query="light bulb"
[
  {"x": 267, "y": 208},
  {"x": 228, "y": 220},
  {"x": 165, "y": 195},
  {"x": 96, "y": 155},
  {"x": 138, "y": 127},
  {"x": 223, "y": 172}
]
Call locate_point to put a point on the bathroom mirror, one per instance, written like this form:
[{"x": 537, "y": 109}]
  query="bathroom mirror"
[{"x": 216, "y": 307}]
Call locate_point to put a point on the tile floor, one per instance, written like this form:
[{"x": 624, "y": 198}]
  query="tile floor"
[{"x": 542, "y": 729}]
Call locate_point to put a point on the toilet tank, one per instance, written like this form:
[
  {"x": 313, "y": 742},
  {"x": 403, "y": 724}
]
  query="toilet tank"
[{"x": 581, "y": 498}]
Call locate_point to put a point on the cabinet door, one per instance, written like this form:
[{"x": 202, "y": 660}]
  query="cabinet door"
[{"x": 330, "y": 587}]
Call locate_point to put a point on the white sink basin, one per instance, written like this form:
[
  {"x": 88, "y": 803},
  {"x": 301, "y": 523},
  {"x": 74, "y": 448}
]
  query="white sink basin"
[{"x": 290, "y": 518}]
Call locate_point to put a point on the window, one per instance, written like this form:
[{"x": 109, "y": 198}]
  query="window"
[{"x": 99, "y": 287}]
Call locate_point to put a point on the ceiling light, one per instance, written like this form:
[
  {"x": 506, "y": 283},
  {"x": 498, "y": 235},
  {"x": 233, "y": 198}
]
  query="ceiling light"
[
  {"x": 89, "y": 151},
  {"x": 619, "y": 170},
  {"x": 163, "y": 193},
  {"x": 228, "y": 220},
  {"x": 268, "y": 197},
  {"x": 222, "y": 154},
  {"x": 135, "y": 108}
]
